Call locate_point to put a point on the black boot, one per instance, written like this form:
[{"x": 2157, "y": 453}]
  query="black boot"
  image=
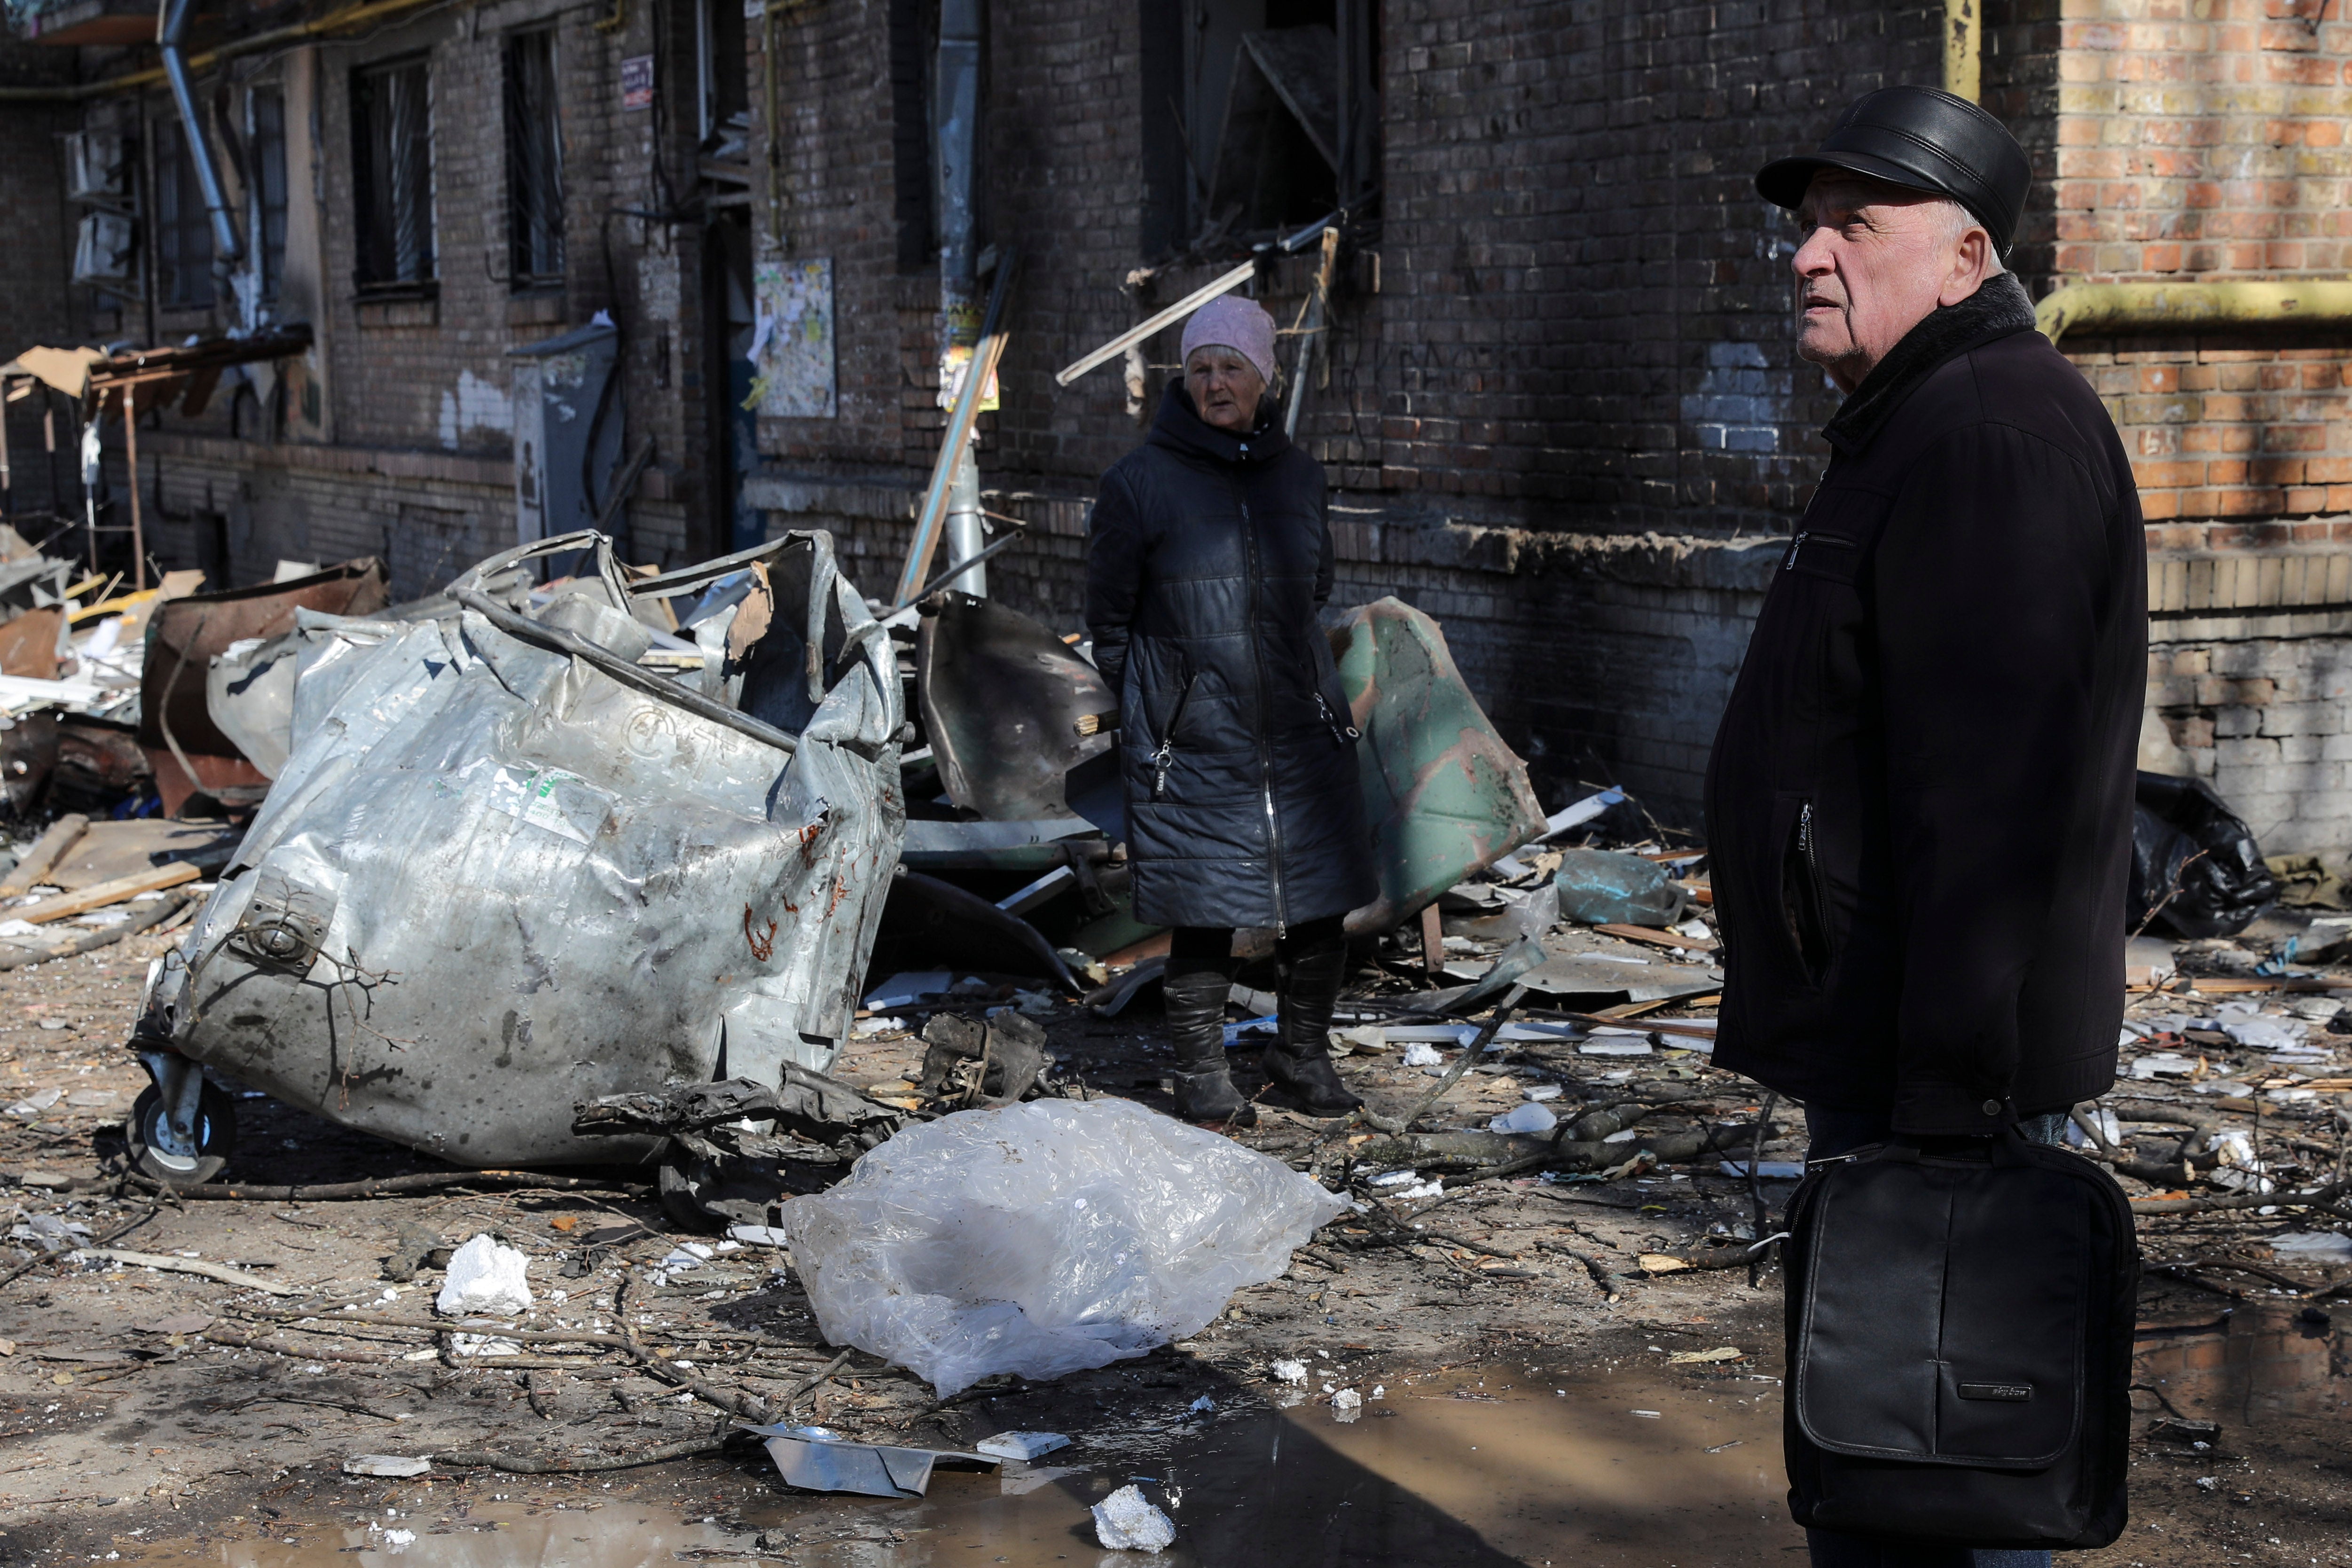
[
  {"x": 1300, "y": 1058},
  {"x": 1196, "y": 1026}
]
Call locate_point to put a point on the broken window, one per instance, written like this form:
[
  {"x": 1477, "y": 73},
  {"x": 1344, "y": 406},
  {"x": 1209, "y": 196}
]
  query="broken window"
[
  {"x": 391, "y": 158},
  {"x": 1259, "y": 115},
  {"x": 726, "y": 86},
  {"x": 534, "y": 162},
  {"x": 266, "y": 114},
  {"x": 183, "y": 235}
]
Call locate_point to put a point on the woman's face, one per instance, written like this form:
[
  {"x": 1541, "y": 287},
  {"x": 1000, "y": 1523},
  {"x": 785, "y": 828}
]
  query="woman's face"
[{"x": 1224, "y": 385}]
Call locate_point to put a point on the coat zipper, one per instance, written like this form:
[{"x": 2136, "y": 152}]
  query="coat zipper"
[
  {"x": 1826, "y": 540},
  {"x": 1163, "y": 756},
  {"x": 1816, "y": 906},
  {"x": 1264, "y": 752},
  {"x": 1340, "y": 734}
]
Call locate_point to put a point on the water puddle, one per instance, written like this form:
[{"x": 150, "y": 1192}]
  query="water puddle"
[{"x": 1494, "y": 1464}]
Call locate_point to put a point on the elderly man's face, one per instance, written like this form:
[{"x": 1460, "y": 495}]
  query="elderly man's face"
[
  {"x": 1875, "y": 260},
  {"x": 1224, "y": 385}
]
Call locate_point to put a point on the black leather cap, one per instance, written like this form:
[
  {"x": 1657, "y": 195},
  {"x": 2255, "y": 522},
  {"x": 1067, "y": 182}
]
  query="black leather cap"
[{"x": 1923, "y": 139}]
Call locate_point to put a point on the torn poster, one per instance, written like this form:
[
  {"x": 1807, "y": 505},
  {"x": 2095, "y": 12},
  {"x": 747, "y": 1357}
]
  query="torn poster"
[{"x": 792, "y": 345}]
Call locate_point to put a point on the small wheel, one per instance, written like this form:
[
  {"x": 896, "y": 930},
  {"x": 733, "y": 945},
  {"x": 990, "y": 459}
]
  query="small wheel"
[{"x": 158, "y": 1155}]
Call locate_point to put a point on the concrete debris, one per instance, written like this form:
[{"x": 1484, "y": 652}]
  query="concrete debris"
[
  {"x": 1126, "y": 1521},
  {"x": 485, "y": 1277}
]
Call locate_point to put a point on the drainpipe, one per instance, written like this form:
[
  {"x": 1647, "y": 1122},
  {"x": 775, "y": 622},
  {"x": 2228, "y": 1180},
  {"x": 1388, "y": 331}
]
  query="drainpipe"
[
  {"x": 958, "y": 98},
  {"x": 225, "y": 247},
  {"x": 1963, "y": 50},
  {"x": 2191, "y": 307}
]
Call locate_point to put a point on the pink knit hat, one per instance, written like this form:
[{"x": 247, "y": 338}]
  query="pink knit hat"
[{"x": 1231, "y": 322}]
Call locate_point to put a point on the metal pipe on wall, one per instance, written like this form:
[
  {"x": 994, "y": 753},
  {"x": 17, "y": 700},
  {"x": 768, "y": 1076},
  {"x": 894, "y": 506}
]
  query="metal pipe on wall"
[
  {"x": 2190, "y": 306},
  {"x": 1963, "y": 49},
  {"x": 226, "y": 243}
]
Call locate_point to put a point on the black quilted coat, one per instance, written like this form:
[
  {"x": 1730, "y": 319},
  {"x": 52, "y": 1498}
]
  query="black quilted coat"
[{"x": 1207, "y": 558}]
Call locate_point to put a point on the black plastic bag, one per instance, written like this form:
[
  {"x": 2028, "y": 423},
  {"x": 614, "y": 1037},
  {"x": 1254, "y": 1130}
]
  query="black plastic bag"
[{"x": 2194, "y": 862}]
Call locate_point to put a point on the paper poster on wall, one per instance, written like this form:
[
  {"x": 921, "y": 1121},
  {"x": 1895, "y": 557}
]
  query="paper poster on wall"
[{"x": 792, "y": 346}]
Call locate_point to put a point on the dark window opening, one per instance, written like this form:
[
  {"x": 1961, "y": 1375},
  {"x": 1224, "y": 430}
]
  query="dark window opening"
[
  {"x": 914, "y": 40},
  {"x": 392, "y": 155},
  {"x": 184, "y": 234},
  {"x": 1259, "y": 116},
  {"x": 726, "y": 89},
  {"x": 268, "y": 107},
  {"x": 534, "y": 162}
]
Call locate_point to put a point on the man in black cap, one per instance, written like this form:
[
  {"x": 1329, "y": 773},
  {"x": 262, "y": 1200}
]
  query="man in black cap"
[{"x": 1919, "y": 805}]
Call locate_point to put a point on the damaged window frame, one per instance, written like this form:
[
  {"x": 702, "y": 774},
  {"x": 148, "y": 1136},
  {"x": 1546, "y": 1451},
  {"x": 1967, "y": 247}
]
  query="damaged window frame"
[
  {"x": 265, "y": 122},
  {"x": 182, "y": 228},
  {"x": 1236, "y": 92},
  {"x": 394, "y": 250},
  {"x": 534, "y": 160}
]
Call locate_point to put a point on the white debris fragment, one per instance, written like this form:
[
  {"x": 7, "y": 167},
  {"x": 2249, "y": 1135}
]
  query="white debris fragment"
[
  {"x": 394, "y": 1465},
  {"x": 1288, "y": 1372},
  {"x": 1125, "y": 1521},
  {"x": 1421, "y": 1053},
  {"x": 1021, "y": 1446},
  {"x": 1346, "y": 1399},
  {"x": 1394, "y": 1179},
  {"x": 1531, "y": 1117},
  {"x": 2313, "y": 1247},
  {"x": 485, "y": 1277}
]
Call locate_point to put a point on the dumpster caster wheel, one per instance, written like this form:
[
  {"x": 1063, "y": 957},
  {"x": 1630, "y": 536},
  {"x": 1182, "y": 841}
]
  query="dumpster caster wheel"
[
  {"x": 681, "y": 1182},
  {"x": 156, "y": 1154}
]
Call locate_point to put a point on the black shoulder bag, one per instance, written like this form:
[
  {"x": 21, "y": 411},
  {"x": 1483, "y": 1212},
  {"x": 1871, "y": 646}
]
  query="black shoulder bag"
[{"x": 1960, "y": 1346}]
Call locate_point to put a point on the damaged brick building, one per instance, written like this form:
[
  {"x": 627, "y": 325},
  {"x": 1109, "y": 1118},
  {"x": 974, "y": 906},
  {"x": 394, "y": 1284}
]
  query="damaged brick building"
[{"x": 1549, "y": 370}]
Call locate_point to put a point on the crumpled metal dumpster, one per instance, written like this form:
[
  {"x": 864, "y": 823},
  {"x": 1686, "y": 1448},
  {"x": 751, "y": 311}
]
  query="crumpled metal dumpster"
[
  {"x": 1446, "y": 796},
  {"x": 509, "y": 870}
]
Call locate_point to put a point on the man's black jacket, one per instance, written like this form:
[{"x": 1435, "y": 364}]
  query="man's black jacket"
[{"x": 1919, "y": 805}]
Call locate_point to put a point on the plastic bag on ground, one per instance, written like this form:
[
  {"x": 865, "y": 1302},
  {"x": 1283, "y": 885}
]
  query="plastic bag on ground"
[
  {"x": 1043, "y": 1238},
  {"x": 2196, "y": 870},
  {"x": 1599, "y": 888}
]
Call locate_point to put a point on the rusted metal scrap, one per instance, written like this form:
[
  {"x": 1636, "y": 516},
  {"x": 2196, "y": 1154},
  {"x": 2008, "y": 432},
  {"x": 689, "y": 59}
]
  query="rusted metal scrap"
[
  {"x": 818, "y": 1119},
  {"x": 506, "y": 873}
]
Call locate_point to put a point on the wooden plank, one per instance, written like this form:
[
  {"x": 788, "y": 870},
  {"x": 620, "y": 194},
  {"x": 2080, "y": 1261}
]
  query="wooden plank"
[
  {"x": 1433, "y": 940},
  {"x": 46, "y": 852},
  {"x": 105, "y": 893},
  {"x": 1657, "y": 938}
]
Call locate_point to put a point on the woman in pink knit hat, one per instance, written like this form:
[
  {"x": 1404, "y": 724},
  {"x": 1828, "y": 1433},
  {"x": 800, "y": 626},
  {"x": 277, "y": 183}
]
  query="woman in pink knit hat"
[{"x": 1208, "y": 557}]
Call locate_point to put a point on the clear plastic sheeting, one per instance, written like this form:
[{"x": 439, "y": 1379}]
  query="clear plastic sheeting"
[
  {"x": 1044, "y": 1238},
  {"x": 503, "y": 871}
]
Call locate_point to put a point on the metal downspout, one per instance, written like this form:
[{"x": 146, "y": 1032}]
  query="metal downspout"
[
  {"x": 958, "y": 98},
  {"x": 1964, "y": 49},
  {"x": 226, "y": 247}
]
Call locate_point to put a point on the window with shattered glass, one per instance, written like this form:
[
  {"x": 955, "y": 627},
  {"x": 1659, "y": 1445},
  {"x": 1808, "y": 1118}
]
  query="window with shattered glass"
[
  {"x": 183, "y": 235},
  {"x": 266, "y": 114},
  {"x": 392, "y": 155},
  {"x": 534, "y": 162},
  {"x": 1259, "y": 116}
]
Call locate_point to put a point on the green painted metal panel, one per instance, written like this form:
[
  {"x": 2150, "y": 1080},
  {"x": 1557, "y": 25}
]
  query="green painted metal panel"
[{"x": 1444, "y": 795}]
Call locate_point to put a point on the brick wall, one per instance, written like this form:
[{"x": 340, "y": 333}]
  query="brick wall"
[{"x": 417, "y": 389}]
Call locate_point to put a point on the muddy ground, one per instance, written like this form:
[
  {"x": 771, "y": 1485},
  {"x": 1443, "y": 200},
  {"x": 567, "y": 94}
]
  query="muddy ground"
[{"x": 168, "y": 1417}]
